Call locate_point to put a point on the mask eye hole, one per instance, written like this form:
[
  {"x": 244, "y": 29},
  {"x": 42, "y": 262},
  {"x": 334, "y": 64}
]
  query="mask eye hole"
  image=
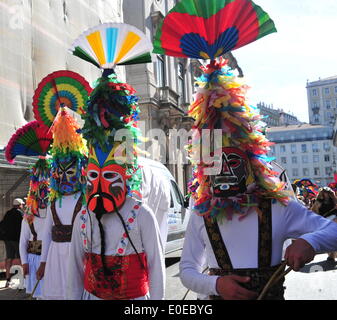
[
  {"x": 92, "y": 175},
  {"x": 70, "y": 172},
  {"x": 109, "y": 175},
  {"x": 234, "y": 163}
]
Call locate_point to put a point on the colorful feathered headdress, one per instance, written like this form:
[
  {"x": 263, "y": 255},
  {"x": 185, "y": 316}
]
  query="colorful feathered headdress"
[
  {"x": 113, "y": 106},
  {"x": 220, "y": 103},
  {"x": 307, "y": 188},
  {"x": 68, "y": 146},
  {"x": 33, "y": 139},
  {"x": 38, "y": 193},
  {"x": 207, "y": 29}
]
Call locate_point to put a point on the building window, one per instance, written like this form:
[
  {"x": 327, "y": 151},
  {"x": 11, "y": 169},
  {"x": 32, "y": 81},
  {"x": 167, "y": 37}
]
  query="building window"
[
  {"x": 283, "y": 160},
  {"x": 294, "y": 160},
  {"x": 272, "y": 149},
  {"x": 316, "y": 171},
  {"x": 305, "y": 172},
  {"x": 314, "y": 92},
  {"x": 282, "y": 148},
  {"x": 304, "y": 159},
  {"x": 315, "y": 104},
  {"x": 328, "y": 104},
  {"x": 326, "y": 157},
  {"x": 295, "y": 172},
  {"x": 326, "y": 146},
  {"x": 327, "y": 91},
  {"x": 316, "y": 118},
  {"x": 304, "y": 148},
  {"x": 316, "y": 158},
  {"x": 160, "y": 71},
  {"x": 181, "y": 83},
  {"x": 315, "y": 147},
  {"x": 293, "y": 148},
  {"x": 328, "y": 171}
]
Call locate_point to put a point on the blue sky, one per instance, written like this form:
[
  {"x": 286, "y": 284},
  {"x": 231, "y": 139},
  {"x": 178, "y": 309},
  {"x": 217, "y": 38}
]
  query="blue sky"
[{"x": 277, "y": 66}]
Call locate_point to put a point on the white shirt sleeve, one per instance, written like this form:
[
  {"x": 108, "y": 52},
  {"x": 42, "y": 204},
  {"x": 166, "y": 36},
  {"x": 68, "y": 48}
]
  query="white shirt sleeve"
[
  {"x": 320, "y": 232},
  {"x": 24, "y": 238},
  {"x": 149, "y": 232},
  {"x": 75, "y": 283},
  {"x": 193, "y": 260},
  {"x": 46, "y": 235}
]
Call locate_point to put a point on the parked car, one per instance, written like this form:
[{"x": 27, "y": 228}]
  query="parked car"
[{"x": 161, "y": 193}]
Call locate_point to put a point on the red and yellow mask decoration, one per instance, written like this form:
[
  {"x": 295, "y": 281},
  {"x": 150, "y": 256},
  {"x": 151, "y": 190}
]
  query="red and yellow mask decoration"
[{"x": 106, "y": 181}]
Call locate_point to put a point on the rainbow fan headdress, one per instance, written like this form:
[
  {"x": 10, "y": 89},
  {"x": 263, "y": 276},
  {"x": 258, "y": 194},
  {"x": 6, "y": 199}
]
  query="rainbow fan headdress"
[
  {"x": 207, "y": 29},
  {"x": 61, "y": 88},
  {"x": 111, "y": 44},
  {"x": 33, "y": 139},
  {"x": 113, "y": 105}
]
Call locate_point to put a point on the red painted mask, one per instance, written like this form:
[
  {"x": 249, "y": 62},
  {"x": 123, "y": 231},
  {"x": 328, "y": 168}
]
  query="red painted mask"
[{"x": 106, "y": 182}]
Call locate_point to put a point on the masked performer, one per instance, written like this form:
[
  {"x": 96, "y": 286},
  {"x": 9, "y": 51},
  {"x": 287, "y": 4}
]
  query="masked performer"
[
  {"x": 242, "y": 215},
  {"x": 33, "y": 139},
  {"x": 117, "y": 237},
  {"x": 67, "y": 184},
  {"x": 33, "y": 223}
]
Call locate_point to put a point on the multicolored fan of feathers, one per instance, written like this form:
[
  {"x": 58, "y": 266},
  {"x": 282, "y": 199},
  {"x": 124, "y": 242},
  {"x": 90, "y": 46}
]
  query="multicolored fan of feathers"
[
  {"x": 33, "y": 139},
  {"x": 207, "y": 29},
  {"x": 58, "y": 89},
  {"x": 111, "y": 44},
  {"x": 37, "y": 197},
  {"x": 220, "y": 103}
]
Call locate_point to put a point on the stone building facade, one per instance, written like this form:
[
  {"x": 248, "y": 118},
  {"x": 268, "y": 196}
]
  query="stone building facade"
[
  {"x": 322, "y": 101},
  {"x": 305, "y": 151},
  {"x": 34, "y": 41},
  {"x": 165, "y": 88}
]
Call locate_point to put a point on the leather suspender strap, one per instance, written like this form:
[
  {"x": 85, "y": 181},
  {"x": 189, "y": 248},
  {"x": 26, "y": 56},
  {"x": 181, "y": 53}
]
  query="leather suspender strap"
[
  {"x": 218, "y": 245},
  {"x": 265, "y": 234},
  {"x": 57, "y": 220},
  {"x": 32, "y": 230}
]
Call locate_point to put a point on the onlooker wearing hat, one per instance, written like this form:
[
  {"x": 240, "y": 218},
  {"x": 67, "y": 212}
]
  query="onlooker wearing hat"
[{"x": 11, "y": 226}]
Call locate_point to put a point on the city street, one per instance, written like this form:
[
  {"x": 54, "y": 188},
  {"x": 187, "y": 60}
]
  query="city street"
[{"x": 316, "y": 281}]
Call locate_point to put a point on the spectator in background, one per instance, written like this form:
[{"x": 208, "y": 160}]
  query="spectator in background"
[
  {"x": 11, "y": 226},
  {"x": 326, "y": 206}
]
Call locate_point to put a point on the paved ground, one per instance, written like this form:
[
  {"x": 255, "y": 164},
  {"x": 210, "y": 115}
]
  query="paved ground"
[{"x": 316, "y": 281}]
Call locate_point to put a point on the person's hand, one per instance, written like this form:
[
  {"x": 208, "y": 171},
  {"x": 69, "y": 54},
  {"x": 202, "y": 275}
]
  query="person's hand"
[
  {"x": 25, "y": 268},
  {"x": 229, "y": 288},
  {"x": 298, "y": 254},
  {"x": 40, "y": 271}
]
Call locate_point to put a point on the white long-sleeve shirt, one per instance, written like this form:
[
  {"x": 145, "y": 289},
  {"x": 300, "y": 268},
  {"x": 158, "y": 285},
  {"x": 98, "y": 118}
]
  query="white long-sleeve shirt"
[
  {"x": 156, "y": 195},
  {"x": 56, "y": 254},
  {"x": 241, "y": 240},
  {"x": 144, "y": 234},
  {"x": 26, "y": 235}
]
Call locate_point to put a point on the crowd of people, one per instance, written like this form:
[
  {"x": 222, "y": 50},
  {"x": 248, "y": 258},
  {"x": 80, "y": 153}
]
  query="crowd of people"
[{"x": 96, "y": 239}]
